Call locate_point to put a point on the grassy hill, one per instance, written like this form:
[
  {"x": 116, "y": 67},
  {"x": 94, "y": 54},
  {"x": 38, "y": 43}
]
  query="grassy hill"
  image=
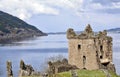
[{"x": 84, "y": 73}]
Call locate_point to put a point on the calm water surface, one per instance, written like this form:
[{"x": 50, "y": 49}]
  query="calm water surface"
[{"x": 37, "y": 51}]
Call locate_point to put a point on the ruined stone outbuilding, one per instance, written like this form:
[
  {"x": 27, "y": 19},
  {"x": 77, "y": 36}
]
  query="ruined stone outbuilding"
[
  {"x": 90, "y": 50},
  {"x": 27, "y": 70},
  {"x": 60, "y": 66}
]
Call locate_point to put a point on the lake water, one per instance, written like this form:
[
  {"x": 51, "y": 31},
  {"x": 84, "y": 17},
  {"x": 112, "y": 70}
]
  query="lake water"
[{"x": 36, "y": 52}]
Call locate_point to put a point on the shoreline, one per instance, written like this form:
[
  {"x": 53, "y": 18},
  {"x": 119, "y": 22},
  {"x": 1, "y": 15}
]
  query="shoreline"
[{"x": 9, "y": 38}]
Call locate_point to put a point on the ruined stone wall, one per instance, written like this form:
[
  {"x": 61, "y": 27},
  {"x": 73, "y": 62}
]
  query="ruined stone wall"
[
  {"x": 9, "y": 69},
  {"x": 104, "y": 47},
  {"x": 60, "y": 66},
  {"x": 27, "y": 70},
  {"x": 107, "y": 48},
  {"x": 82, "y": 53}
]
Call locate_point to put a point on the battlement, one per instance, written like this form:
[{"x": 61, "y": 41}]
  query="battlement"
[{"x": 86, "y": 34}]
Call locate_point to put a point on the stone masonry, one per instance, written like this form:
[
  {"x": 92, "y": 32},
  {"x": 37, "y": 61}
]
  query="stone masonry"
[
  {"x": 9, "y": 69},
  {"x": 60, "y": 66},
  {"x": 90, "y": 50},
  {"x": 26, "y": 70}
]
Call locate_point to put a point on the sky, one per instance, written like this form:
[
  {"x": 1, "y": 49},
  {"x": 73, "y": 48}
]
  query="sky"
[{"x": 59, "y": 15}]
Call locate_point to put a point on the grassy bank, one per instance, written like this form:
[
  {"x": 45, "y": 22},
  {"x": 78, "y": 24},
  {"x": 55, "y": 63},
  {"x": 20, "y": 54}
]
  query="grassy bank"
[
  {"x": 84, "y": 73},
  {"x": 87, "y": 73}
]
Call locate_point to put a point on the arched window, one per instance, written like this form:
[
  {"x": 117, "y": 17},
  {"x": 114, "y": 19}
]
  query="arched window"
[
  {"x": 79, "y": 46},
  {"x": 101, "y": 48},
  {"x": 84, "y": 61},
  {"x": 101, "y": 57}
]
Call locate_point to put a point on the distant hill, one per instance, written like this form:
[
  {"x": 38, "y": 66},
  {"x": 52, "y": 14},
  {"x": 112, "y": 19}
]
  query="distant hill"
[
  {"x": 53, "y": 33},
  {"x": 115, "y": 30},
  {"x": 14, "y": 29},
  {"x": 57, "y": 33}
]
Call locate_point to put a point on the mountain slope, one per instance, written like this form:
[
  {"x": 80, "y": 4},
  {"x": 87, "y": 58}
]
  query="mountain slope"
[
  {"x": 14, "y": 29},
  {"x": 116, "y": 30}
]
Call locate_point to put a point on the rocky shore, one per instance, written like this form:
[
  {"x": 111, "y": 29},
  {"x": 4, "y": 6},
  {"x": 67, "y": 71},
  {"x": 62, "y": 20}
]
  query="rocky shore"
[{"x": 11, "y": 37}]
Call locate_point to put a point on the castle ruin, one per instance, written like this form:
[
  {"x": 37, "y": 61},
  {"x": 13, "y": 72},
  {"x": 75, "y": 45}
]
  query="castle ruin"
[{"x": 90, "y": 50}]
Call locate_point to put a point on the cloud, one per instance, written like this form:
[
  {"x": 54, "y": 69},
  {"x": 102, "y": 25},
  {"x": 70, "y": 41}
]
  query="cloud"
[
  {"x": 103, "y": 6},
  {"x": 105, "y": 2},
  {"x": 63, "y": 3},
  {"x": 24, "y": 9}
]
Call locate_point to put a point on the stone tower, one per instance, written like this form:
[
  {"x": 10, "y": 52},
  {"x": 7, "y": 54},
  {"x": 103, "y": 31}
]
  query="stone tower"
[{"x": 90, "y": 50}]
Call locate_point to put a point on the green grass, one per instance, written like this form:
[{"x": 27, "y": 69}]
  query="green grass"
[
  {"x": 113, "y": 74},
  {"x": 83, "y": 73},
  {"x": 86, "y": 73},
  {"x": 94, "y": 73},
  {"x": 31, "y": 76}
]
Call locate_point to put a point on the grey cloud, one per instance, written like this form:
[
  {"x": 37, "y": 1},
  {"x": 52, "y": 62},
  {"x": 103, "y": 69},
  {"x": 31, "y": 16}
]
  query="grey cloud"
[
  {"x": 106, "y": 6},
  {"x": 111, "y": 11},
  {"x": 105, "y": 2}
]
